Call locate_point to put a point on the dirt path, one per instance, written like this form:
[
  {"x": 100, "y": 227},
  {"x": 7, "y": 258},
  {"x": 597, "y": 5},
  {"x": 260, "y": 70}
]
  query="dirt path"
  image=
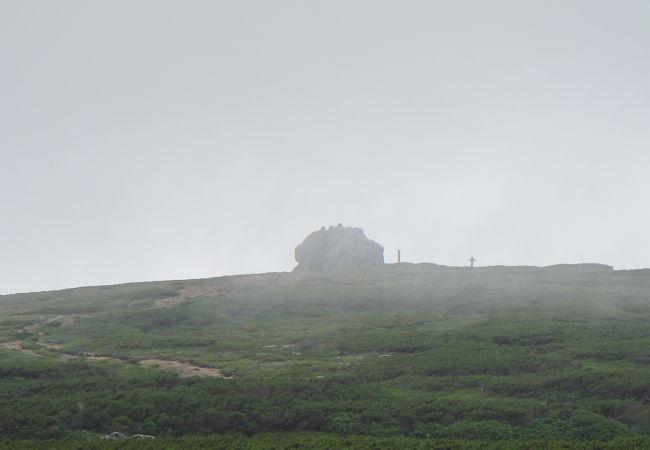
[
  {"x": 182, "y": 368},
  {"x": 17, "y": 345}
]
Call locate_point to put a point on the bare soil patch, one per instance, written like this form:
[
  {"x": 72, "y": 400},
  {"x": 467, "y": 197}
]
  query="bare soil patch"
[
  {"x": 184, "y": 369},
  {"x": 187, "y": 293},
  {"x": 63, "y": 319},
  {"x": 17, "y": 345},
  {"x": 50, "y": 345},
  {"x": 169, "y": 302}
]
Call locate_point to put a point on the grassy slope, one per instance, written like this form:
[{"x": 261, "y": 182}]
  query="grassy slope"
[{"x": 421, "y": 350}]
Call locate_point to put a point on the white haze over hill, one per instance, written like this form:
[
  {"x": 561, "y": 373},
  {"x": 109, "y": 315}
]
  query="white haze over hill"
[{"x": 160, "y": 139}]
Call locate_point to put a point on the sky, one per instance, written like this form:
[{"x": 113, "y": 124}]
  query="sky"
[{"x": 149, "y": 140}]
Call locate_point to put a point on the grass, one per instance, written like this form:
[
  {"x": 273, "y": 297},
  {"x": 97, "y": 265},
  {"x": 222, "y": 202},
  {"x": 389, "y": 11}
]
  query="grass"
[{"x": 400, "y": 350}]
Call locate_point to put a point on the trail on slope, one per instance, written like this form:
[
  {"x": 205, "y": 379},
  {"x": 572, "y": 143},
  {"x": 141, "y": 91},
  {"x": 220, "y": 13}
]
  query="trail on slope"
[
  {"x": 17, "y": 345},
  {"x": 183, "y": 369}
]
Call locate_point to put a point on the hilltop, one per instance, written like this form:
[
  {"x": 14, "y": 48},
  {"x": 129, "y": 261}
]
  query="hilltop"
[{"x": 420, "y": 350}]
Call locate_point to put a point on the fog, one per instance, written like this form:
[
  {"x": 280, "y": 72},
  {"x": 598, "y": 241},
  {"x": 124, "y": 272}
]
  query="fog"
[{"x": 146, "y": 140}]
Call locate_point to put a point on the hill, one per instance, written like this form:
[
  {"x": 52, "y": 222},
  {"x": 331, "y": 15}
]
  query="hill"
[{"x": 401, "y": 350}]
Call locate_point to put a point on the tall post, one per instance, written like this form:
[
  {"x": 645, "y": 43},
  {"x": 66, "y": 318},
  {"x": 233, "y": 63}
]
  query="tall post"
[
  {"x": 399, "y": 256},
  {"x": 471, "y": 261}
]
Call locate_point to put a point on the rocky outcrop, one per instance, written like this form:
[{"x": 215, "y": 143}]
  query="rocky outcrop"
[{"x": 337, "y": 248}]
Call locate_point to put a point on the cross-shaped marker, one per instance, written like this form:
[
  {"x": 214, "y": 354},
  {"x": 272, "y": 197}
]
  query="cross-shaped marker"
[{"x": 471, "y": 261}]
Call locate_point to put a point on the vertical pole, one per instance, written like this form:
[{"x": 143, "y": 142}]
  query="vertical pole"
[{"x": 399, "y": 256}]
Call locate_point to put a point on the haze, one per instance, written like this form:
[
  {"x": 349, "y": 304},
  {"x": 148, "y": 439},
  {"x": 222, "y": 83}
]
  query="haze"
[{"x": 145, "y": 140}]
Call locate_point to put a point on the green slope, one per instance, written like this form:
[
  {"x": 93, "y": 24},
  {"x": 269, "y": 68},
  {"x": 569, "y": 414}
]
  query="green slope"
[{"x": 422, "y": 350}]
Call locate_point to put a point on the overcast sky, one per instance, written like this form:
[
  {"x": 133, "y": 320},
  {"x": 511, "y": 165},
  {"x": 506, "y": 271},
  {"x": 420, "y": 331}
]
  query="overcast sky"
[{"x": 148, "y": 140}]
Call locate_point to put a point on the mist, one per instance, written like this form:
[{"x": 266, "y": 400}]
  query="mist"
[{"x": 166, "y": 140}]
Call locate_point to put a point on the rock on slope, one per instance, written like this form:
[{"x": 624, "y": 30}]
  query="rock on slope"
[{"x": 337, "y": 248}]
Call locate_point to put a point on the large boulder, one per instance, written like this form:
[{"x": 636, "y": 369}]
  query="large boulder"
[{"x": 337, "y": 248}]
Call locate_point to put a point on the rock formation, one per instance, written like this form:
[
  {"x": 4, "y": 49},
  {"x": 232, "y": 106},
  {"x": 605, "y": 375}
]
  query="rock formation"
[{"x": 337, "y": 248}]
